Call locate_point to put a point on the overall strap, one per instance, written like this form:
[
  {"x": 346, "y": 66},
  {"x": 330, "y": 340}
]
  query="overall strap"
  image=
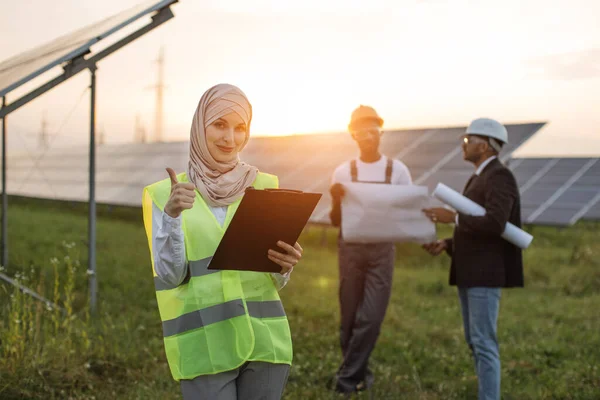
[
  {"x": 388, "y": 171},
  {"x": 353, "y": 171}
]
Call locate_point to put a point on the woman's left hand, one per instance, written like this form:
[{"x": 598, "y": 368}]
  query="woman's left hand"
[{"x": 287, "y": 260}]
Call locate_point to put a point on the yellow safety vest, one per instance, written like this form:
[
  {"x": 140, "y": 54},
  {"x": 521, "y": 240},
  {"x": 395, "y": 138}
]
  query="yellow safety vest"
[{"x": 215, "y": 321}]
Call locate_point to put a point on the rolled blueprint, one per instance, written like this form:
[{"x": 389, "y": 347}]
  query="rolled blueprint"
[
  {"x": 512, "y": 234},
  {"x": 375, "y": 213}
]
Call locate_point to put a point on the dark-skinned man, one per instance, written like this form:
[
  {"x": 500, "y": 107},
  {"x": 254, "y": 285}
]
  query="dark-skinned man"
[
  {"x": 365, "y": 269},
  {"x": 483, "y": 262}
]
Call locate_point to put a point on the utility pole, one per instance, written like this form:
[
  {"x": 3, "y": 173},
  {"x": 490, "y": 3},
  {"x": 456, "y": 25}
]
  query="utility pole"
[
  {"x": 158, "y": 128},
  {"x": 140, "y": 132}
]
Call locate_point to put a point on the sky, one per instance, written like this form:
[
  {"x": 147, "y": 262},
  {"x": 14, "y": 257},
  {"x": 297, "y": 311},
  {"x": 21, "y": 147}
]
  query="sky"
[{"x": 306, "y": 65}]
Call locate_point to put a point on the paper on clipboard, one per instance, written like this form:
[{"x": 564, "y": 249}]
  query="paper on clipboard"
[{"x": 386, "y": 213}]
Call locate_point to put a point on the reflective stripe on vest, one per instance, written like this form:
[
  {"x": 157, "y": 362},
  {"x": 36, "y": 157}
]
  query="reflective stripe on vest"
[{"x": 222, "y": 312}]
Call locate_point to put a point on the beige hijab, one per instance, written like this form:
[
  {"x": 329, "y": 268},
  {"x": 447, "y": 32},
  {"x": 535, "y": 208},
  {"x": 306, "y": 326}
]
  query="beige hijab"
[{"x": 219, "y": 183}]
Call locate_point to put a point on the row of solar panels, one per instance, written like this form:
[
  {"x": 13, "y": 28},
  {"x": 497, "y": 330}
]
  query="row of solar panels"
[
  {"x": 303, "y": 162},
  {"x": 555, "y": 191}
]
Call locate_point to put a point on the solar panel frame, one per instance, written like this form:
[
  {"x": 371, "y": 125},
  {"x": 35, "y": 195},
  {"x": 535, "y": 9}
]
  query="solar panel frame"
[
  {"x": 26, "y": 66},
  {"x": 23, "y": 67}
]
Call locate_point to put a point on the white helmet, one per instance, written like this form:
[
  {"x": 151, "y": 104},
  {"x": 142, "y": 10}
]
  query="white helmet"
[{"x": 490, "y": 128}]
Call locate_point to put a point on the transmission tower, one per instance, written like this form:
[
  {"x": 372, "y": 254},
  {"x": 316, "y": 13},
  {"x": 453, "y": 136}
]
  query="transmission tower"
[{"x": 160, "y": 85}]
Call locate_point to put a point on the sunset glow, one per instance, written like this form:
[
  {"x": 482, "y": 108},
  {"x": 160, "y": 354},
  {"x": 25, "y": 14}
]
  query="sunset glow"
[{"x": 305, "y": 66}]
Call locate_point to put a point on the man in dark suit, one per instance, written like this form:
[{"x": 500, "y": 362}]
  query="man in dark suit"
[{"x": 483, "y": 262}]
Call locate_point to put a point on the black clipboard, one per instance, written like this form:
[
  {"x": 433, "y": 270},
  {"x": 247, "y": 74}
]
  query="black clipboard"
[{"x": 263, "y": 217}]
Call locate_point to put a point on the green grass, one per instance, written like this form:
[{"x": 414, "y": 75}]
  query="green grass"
[{"x": 549, "y": 331}]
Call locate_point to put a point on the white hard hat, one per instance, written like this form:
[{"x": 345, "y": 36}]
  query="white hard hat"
[{"x": 488, "y": 127}]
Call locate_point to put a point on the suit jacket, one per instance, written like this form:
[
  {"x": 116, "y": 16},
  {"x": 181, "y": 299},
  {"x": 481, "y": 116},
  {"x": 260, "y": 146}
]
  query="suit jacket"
[{"x": 480, "y": 257}]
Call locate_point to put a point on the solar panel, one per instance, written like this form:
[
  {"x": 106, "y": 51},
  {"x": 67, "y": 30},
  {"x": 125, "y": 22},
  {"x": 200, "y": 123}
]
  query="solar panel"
[
  {"x": 558, "y": 191},
  {"x": 304, "y": 162},
  {"x": 24, "y": 67},
  {"x": 593, "y": 211}
]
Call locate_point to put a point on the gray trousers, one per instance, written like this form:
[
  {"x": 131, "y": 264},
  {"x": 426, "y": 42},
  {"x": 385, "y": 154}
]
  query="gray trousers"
[
  {"x": 366, "y": 272},
  {"x": 252, "y": 381}
]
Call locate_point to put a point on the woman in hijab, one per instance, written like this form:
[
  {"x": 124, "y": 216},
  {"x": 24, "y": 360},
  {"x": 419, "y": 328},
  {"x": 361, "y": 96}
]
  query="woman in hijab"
[{"x": 226, "y": 334}]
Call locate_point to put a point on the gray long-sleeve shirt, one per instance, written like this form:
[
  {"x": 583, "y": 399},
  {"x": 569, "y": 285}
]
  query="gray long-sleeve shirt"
[{"x": 168, "y": 247}]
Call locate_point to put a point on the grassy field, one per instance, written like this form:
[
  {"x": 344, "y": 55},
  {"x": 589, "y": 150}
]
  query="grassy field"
[{"x": 549, "y": 331}]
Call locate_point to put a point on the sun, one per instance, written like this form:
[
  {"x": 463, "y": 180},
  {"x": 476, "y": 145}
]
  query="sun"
[{"x": 298, "y": 109}]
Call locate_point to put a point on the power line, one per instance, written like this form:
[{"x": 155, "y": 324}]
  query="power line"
[{"x": 36, "y": 160}]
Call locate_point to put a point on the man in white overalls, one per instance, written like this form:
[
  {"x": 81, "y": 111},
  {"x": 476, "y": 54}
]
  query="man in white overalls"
[{"x": 366, "y": 269}]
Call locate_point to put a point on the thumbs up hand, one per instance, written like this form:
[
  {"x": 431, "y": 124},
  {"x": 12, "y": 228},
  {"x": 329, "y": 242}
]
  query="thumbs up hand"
[{"x": 181, "y": 198}]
